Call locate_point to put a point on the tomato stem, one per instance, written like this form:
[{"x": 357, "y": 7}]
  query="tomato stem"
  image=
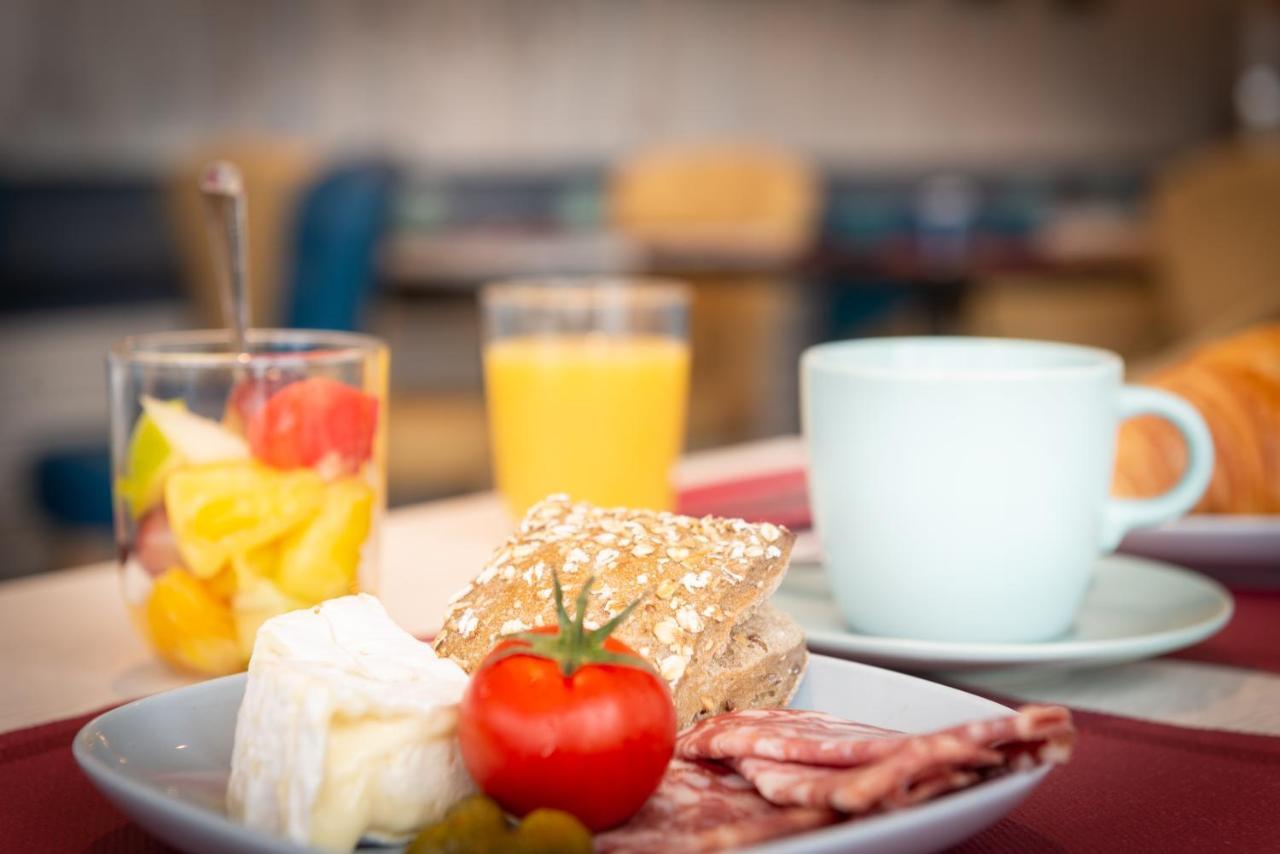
[{"x": 572, "y": 646}]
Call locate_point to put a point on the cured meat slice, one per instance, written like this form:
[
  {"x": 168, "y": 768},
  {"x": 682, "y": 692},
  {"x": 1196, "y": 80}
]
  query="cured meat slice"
[
  {"x": 918, "y": 770},
  {"x": 815, "y": 760},
  {"x": 703, "y": 806},
  {"x": 815, "y": 738},
  {"x": 788, "y": 735},
  {"x": 749, "y": 776},
  {"x": 878, "y": 787}
]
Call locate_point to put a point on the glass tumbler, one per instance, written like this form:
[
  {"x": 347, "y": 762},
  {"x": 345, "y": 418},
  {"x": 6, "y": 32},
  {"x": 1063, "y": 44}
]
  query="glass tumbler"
[
  {"x": 245, "y": 485},
  {"x": 586, "y": 382}
]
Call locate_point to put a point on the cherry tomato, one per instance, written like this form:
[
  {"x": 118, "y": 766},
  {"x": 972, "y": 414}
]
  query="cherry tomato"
[
  {"x": 316, "y": 422},
  {"x": 580, "y": 725}
]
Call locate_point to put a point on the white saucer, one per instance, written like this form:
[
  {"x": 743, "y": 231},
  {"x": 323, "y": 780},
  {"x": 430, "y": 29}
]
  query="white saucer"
[{"x": 1135, "y": 608}]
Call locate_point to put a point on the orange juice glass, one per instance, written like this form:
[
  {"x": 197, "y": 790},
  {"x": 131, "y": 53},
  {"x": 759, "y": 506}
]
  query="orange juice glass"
[{"x": 586, "y": 382}]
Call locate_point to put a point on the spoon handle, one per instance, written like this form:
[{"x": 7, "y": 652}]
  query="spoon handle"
[{"x": 222, "y": 188}]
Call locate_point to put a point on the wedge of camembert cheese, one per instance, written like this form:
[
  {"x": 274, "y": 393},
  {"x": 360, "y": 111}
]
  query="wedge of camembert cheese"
[{"x": 347, "y": 729}]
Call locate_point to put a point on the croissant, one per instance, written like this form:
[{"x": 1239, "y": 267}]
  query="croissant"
[{"x": 1235, "y": 384}]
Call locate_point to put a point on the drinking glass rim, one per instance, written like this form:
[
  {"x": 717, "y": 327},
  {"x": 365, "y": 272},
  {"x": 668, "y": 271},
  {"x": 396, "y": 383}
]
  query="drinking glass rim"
[
  {"x": 573, "y": 291},
  {"x": 334, "y": 347}
]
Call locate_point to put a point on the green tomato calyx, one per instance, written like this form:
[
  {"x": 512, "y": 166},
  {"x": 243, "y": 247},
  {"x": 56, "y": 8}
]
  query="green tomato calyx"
[{"x": 572, "y": 645}]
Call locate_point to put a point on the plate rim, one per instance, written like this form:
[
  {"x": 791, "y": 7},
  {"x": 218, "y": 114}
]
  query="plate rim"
[
  {"x": 996, "y": 653},
  {"x": 1016, "y": 784},
  {"x": 104, "y": 777}
]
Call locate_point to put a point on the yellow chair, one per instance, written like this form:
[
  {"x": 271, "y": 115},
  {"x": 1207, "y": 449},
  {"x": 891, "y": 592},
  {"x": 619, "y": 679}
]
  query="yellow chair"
[
  {"x": 275, "y": 171},
  {"x": 1116, "y": 312},
  {"x": 725, "y": 217},
  {"x": 732, "y": 197},
  {"x": 1216, "y": 228}
]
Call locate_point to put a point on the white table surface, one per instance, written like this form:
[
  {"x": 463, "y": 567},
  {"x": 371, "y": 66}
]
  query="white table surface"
[{"x": 67, "y": 647}]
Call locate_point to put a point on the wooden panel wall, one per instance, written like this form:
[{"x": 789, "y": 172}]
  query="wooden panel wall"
[{"x": 897, "y": 82}]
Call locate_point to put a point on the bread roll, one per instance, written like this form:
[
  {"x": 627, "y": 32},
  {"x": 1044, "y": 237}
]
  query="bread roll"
[{"x": 703, "y": 621}]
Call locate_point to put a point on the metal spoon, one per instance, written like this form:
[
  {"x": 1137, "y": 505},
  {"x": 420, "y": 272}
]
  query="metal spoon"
[{"x": 222, "y": 188}]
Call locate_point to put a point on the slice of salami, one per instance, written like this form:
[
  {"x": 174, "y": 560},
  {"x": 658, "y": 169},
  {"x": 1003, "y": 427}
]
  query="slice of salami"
[
  {"x": 788, "y": 735},
  {"x": 921, "y": 768},
  {"x": 814, "y": 738},
  {"x": 703, "y": 806},
  {"x": 814, "y": 760}
]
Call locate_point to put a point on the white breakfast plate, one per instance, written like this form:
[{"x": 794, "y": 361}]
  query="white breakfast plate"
[
  {"x": 1235, "y": 547},
  {"x": 164, "y": 761},
  {"x": 1135, "y": 609}
]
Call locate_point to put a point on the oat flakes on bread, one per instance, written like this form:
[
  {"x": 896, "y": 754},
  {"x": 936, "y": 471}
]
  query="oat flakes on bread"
[{"x": 700, "y": 579}]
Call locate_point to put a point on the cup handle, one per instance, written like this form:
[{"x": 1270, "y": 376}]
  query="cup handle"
[{"x": 1125, "y": 514}]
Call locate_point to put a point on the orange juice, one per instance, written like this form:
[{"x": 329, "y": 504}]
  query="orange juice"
[{"x": 599, "y": 417}]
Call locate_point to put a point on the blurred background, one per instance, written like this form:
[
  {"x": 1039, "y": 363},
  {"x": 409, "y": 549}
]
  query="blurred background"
[{"x": 1098, "y": 171}]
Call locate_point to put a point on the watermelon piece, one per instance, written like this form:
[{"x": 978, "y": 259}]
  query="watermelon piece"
[{"x": 315, "y": 423}]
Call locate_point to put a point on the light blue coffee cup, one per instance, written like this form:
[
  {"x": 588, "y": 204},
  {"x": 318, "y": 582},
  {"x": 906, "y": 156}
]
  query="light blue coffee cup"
[{"x": 960, "y": 486}]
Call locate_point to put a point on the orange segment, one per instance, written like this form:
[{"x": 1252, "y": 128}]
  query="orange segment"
[
  {"x": 189, "y": 627},
  {"x": 223, "y": 585}
]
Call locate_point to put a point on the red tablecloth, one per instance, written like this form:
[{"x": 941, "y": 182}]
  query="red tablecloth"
[
  {"x": 1133, "y": 786},
  {"x": 1251, "y": 639}
]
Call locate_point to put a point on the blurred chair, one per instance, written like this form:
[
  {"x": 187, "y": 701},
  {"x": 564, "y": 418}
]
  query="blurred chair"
[
  {"x": 275, "y": 172},
  {"x": 727, "y": 218},
  {"x": 340, "y": 219},
  {"x": 435, "y": 438},
  {"x": 437, "y": 444},
  {"x": 72, "y": 485},
  {"x": 732, "y": 198},
  {"x": 1114, "y": 312},
  {"x": 1216, "y": 223}
]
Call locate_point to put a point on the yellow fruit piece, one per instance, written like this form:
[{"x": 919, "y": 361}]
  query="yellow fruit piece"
[
  {"x": 190, "y": 628},
  {"x": 257, "y": 600},
  {"x": 221, "y": 510},
  {"x": 245, "y": 568},
  {"x": 319, "y": 560},
  {"x": 262, "y": 562},
  {"x": 222, "y": 586}
]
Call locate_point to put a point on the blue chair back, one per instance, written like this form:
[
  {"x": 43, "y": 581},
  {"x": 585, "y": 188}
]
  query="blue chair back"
[{"x": 340, "y": 219}]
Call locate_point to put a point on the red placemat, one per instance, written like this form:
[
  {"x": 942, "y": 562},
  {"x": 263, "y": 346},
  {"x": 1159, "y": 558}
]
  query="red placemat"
[
  {"x": 780, "y": 497},
  {"x": 47, "y": 804},
  {"x": 1251, "y": 639},
  {"x": 1133, "y": 786}
]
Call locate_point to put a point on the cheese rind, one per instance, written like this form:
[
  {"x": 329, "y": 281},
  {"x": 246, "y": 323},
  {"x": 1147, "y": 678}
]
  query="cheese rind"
[{"x": 347, "y": 729}]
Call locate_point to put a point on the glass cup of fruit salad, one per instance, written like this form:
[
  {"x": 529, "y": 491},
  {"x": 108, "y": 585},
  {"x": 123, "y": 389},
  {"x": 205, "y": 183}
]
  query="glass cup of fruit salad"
[{"x": 246, "y": 484}]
